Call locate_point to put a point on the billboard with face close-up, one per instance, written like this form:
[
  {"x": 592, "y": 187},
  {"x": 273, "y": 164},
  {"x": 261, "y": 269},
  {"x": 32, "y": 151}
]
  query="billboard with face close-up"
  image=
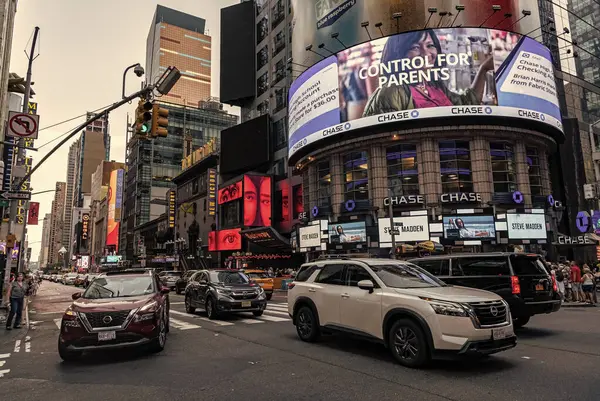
[
  {"x": 434, "y": 73},
  {"x": 257, "y": 201},
  {"x": 225, "y": 240},
  {"x": 469, "y": 227},
  {"x": 230, "y": 192}
]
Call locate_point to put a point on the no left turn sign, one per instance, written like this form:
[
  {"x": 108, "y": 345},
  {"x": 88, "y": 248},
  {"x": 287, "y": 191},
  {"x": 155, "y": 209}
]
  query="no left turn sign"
[{"x": 21, "y": 125}]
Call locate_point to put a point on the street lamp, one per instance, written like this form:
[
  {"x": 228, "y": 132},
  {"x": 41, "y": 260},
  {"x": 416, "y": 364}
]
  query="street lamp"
[{"x": 137, "y": 70}]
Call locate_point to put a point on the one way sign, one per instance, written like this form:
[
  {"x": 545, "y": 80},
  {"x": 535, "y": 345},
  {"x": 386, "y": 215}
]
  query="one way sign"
[{"x": 22, "y": 195}]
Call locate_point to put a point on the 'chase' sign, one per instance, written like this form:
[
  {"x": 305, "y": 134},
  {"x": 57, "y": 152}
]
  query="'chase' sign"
[
  {"x": 460, "y": 197},
  {"x": 404, "y": 200},
  {"x": 576, "y": 240}
]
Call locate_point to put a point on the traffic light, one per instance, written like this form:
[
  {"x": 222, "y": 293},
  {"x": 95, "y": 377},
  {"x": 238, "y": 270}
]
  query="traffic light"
[
  {"x": 160, "y": 121},
  {"x": 143, "y": 118}
]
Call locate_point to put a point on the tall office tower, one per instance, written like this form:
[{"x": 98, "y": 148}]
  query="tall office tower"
[
  {"x": 70, "y": 184},
  {"x": 178, "y": 39},
  {"x": 44, "y": 249},
  {"x": 56, "y": 224}
]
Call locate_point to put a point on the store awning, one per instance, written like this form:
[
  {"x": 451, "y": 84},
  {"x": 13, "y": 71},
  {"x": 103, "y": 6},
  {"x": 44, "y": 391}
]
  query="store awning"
[{"x": 267, "y": 237}]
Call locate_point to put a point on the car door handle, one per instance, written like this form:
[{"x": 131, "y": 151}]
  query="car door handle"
[
  {"x": 345, "y": 295},
  {"x": 312, "y": 290}
]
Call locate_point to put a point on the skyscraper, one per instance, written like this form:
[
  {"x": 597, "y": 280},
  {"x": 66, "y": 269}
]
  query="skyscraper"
[
  {"x": 56, "y": 223},
  {"x": 178, "y": 39},
  {"x": 70, "y": 188},
  {"x": 44, "y": 249}
]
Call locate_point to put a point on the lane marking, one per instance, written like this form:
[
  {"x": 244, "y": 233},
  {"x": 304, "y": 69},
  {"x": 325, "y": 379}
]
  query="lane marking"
[
  {"x": 17, "y": 345},
  {"x": 177, "y": 303},
  {"x": 2, "y": 363},
  {"x": 250, "y": 321},
  {"x": 57, "y": 322},
  {"x": 28, "y": 347},
  {"x": 2, "y": 356},
  {"x": 273, "y": 318},
  {"x": 3, "y": 372},
  {"x": 181, "y": 325}
]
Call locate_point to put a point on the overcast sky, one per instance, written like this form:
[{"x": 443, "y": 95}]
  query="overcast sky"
[{"x": 84, "y": 47}]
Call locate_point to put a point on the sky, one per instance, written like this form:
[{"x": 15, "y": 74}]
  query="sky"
[{"x": 84, "y": 47}]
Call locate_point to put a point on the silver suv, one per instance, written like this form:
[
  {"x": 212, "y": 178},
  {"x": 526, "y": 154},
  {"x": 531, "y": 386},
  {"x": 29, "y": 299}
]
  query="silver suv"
[{"x": 413, "y": 313}]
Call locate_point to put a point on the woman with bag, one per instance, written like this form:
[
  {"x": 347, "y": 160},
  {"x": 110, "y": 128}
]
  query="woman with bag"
[{"x": 16, "y": 294}]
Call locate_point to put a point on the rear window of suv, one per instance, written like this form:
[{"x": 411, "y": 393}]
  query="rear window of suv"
[{"x": 527, "y": 265}]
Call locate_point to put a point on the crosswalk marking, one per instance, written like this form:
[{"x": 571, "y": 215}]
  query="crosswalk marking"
[
  {"x": 57, "y": 323},
  {"x": 276, "y": 312},
  {"x": 3, "y": 356},
  {"x": 273, "y": 318},
  {"x": 250, "y": 321},
  {"x": 3, "y": 372},
  {"x": 217, "y": 322},
  {"x": 181, "y": 325}
]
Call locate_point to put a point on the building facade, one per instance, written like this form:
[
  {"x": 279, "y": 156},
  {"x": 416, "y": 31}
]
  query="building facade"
[
  {"x": 8, "y": 9},
  {"x": 178, "y": 39},
  {"x": 44, "y": 246},
  {"x": 70, "y": 190},
  {"x": 57, "y": 224}
]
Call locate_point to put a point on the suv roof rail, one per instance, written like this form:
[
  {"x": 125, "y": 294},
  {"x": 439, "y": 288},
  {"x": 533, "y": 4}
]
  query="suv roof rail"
[{"x": 128, "y": 271}]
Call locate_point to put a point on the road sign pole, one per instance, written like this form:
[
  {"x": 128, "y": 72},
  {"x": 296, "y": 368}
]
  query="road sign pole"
[{"x": 391, "y": 213}]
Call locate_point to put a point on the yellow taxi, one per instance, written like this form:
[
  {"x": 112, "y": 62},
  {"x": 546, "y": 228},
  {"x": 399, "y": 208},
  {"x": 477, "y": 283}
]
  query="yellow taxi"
[{"x": 261, "y": 278}]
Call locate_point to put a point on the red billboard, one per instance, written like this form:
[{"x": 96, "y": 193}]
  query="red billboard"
[
  {"x": 298, "y": 200},
  {"x": 230, "y": 192},
  {"x": 34, "y": 213},
  {"x": 257, "y": 201},
  {"x": 225, "y": 240}
]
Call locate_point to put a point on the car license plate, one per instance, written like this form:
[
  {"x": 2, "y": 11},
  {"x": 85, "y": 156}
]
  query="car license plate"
[
  {"x": 502, "y": 333},
  {"x": 539, "y": 287},
  {"x": 106, "y": 335},
  {"x": 246, "y": 304}
]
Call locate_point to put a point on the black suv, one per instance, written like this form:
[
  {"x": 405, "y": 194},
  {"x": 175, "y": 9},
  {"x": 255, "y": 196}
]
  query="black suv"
[
  {"x": 182, "y": 281},
  {"x": 223, "y": 291},
  {"x": 521, "y": 279}
]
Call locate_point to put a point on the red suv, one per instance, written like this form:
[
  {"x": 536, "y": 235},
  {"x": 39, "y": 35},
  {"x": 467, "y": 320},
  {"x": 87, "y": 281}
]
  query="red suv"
[{"x": 121, "y": 309}]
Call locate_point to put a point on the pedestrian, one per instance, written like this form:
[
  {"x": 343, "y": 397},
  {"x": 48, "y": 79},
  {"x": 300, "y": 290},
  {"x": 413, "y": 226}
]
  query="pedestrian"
[
  {"x": 16, "y": 295},
  {"x": 560, "y": 281},
  {"x": 587, "y": 281},
  {"x": 576, "y": 283}
]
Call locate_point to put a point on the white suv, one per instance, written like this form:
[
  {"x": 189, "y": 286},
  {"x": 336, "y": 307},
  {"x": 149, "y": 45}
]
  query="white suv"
[{"x": 413, "y": 313}]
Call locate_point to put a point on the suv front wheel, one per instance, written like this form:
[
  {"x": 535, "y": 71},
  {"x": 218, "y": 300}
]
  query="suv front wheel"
[
  {"x": 406, "y": 341},
  {"x": 307, "y": 325}
]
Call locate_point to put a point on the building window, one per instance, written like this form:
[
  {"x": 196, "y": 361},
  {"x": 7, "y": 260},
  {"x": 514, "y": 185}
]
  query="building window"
[
  {"x": 535, "y": 175},
  {"x": 278, "y": 42},
  {"x": 356, "y": 177},
  {"x": 262, "y": 84},
  {"x": 278, "y": 71},
  {"x": 278, "y": 11},
  {"x": 280, "y": 99},
  {"x": 403, "y": 175},
  {"x": 503, "y": 167},
  {"x": 260, "y": 5},
  {"x": 323, "y": 184},
  {"x": 262, "y": 29},
  {"x": 263, "y": 108},
  {"x": 279, "y": 134},
  {"x": 262, "y": 57},
  {"x": 455, "y": 167}
]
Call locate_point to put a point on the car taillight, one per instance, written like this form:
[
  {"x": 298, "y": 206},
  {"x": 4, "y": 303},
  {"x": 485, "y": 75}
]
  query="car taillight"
[
  {"x": 291, "y": 285},
  {"x": 514, "y": 283},
  {"x": 554, "y": 285}
]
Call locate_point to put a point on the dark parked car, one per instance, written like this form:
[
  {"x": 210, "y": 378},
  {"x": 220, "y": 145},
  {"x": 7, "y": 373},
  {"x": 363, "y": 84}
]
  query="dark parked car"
[
  {"x": 521, "y": 279},
  {"x": 182, "y": 281},
  {"x": 224, "y": 291},
  {"x": 121, "y": 309},
  {"x": 169, "y": 278}
]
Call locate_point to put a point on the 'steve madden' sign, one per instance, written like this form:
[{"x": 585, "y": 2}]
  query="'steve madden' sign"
[
  {"x": 460, "y": 197},
  {"x": 577, "y": 240},
  {"x": 404, "y": 200}
]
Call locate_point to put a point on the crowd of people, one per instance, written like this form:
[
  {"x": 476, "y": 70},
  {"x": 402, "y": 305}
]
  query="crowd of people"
[{"x": 575, "y": 283}]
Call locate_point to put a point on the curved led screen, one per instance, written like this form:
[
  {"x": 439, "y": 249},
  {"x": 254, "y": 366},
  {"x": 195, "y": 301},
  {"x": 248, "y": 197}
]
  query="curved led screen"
[{"x": 433, "y": 73}]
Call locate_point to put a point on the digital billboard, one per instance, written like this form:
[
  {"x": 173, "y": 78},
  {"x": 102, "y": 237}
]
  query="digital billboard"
[
  {"x": 347, "y": 233},
  {"x": 433, "y": 73},
  {"x": 410, "y": 229},
  {"x": 257, "y": 201},
  {"x": 469, "y": 227},
  {"x": 315, "y": 20},
  {"x": 225, "y": 240},
  {"x": 298, "y": 200},
  {"x": 230, "y": 192},
  {"x": 526, "y": 226}
]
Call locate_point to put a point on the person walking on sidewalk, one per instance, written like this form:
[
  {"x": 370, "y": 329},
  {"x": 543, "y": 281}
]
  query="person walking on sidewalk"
[{"x": 16, "y": 294}]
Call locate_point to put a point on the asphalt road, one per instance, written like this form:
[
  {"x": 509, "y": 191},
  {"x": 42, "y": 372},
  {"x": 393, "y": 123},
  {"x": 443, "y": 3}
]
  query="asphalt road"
[{"x": 243, "y": 358}]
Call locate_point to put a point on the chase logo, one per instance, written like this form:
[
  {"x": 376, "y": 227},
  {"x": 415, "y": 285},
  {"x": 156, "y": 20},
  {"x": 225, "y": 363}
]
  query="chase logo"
[
  {"x": 336, "y": 129},
  {"x": 347, "y": 126},
  {"x": 488, "y": 110},
  {"x": 414, "y": 113},
  {"x": 304, "y": 141},
  {"x": 542, "y": 117}
]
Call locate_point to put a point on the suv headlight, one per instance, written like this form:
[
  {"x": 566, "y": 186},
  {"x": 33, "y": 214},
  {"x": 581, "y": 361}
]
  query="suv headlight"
[
  {"x": 449, "y": 308},
  {"x": 223, "y": 291}
]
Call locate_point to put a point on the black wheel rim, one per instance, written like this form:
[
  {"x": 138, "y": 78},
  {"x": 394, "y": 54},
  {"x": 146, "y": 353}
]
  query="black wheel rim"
[
  {"x": 162, "y": 334},
  {"x": 304, "y": 324},
  {"x": 209, "y": 308},
  {"x": 187, "y": 304},
  {"x": 406, "y": 343}
]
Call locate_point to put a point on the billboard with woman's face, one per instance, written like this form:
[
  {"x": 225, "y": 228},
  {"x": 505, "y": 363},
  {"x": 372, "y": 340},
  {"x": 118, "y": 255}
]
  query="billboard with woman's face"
[
  {"x": 433, "y": 73},
  {"x": 257, "y": 201}
]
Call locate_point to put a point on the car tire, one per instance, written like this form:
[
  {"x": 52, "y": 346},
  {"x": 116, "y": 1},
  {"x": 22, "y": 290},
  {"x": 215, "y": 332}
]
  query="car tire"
[
  {"x": 407, "y": 344},
  {"x": 211, "y": 313},
  {"x": 67, "y": 355},
  {"x": 188, "y": 305},
  {"x": 307, "y": 324},
  {"x": 257, "y": 313},
  {"x": 519, "y": 322},
  {"x": 269, "y": 296},
  {"x": 158, "y": 344}
]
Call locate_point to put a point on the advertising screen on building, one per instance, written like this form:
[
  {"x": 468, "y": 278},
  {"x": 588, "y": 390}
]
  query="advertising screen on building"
[
  {"x": 347, "y": 233},
  {"x": 115, "y": 194},
  {"x": 526, "y": 226},
  {"x": 257, "y": 201},
  {"x": 225, "y": 240},
  {"x": 298, "y": 200},
  {"x": 230, "y": 192},
  {"x": 310, "y": 236},
  {"x": 469, "y": 227},
  {"x": 410, "y": 229},
  {"x": 433, "y": 73},
  {"x": 315, "y": 20}
]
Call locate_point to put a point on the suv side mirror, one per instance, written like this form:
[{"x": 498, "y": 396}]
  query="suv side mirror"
[
  {"x": 366, "y": 285},
  {"x": 76, "y": 295}
]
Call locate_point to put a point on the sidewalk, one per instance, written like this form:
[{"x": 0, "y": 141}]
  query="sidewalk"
[{"x": 576, "y": 305}]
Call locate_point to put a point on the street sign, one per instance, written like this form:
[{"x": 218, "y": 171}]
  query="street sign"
[
  {"x": 22, "y": 125},
  {"x": 22, "y": 195}
]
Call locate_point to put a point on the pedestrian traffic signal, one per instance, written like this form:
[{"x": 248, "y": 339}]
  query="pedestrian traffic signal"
[
  {"x": 143, "y": 118},
  {"x": 160, "y": 121}
]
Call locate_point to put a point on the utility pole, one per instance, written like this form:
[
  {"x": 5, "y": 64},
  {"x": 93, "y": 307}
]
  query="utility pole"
[{"x": 391, "y": 215}]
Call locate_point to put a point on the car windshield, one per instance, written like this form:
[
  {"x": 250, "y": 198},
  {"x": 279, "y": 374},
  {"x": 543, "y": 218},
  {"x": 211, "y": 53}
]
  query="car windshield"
[
  {"x": 172, "y": 274},
  {"x": 405, "y": 275},
  {"x": 257, "y": 275},
  {"x": 228, "y": 277},
  {"x": 119, "y": 286}
]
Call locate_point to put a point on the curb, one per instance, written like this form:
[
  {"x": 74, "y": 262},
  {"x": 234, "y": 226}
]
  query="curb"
[{"x": 577, "y": 306}]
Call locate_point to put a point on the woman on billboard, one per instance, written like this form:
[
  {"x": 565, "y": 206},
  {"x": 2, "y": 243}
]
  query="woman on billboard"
[
  {"x": 422, "y": 48},
  {"x": 257, "y": 201}
]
